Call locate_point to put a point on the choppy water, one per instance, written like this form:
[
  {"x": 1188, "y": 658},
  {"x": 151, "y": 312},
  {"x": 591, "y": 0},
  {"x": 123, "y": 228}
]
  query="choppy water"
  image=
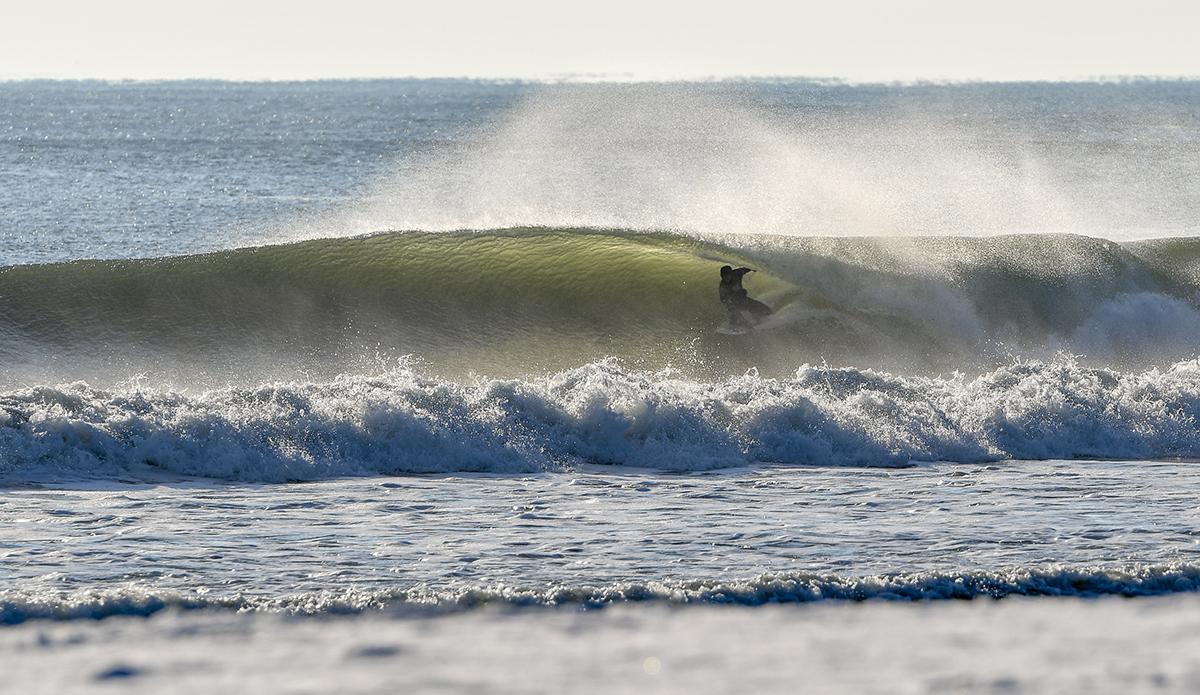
[{"x": 595, "y": 537}]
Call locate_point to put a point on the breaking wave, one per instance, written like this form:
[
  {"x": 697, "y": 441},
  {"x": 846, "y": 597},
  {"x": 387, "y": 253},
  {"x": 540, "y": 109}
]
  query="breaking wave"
[
  {"x": 402, "y": 423},
  {"x": 523, "y": 302},
  {"x": 780, "y": 588}
]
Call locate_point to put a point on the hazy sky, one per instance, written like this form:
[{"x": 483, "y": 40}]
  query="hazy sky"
[{"x": 856, "y": 40}]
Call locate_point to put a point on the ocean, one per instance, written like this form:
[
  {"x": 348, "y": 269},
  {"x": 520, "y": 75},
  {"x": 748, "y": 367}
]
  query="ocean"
[{"x": 367, "y": 386}]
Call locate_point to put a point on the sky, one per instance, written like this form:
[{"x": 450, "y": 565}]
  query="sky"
[{"x": 850, "y": 40}]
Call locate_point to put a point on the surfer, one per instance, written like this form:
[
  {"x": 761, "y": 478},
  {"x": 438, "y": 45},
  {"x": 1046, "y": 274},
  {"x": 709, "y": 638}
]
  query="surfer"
[{"x": 744, "y": 312}]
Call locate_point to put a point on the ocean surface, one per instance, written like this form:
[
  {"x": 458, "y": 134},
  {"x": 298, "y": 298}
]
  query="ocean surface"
[{"x": 417, "y": 384}]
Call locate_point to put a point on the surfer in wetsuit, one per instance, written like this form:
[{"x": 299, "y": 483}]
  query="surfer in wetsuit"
[{"x": 744, "y": 312}]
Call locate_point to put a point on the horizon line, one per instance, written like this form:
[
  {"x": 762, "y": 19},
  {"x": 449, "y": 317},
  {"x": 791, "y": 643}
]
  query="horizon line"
[{"x": 588, "y": 78}]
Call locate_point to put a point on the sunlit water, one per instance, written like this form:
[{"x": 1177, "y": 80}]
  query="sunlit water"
[{"x": 209, "y": 441}]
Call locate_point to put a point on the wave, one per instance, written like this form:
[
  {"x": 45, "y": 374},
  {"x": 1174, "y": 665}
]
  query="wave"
[
  {"x": 540, "y": 349},
  {"x": 499, "y": 303},
  {"x": 522, "y": 302},
  {"x": 402, "y": 423},
  {"x": 790, "y": 587}
]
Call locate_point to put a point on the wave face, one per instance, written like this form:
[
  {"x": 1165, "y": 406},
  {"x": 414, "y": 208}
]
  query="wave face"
[
  {"x": 500, "y": 303},
  {"x": 525, "y": 302}
]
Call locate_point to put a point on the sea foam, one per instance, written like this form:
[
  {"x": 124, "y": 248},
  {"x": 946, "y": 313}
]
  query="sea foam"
[
  {"x": 775, "y": 588},
  {"x": 401, "y": 422}
]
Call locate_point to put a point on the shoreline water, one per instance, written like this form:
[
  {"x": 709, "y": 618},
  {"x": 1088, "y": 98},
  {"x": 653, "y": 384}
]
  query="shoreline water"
[
  {"x": 1014, "y": 645},
  {"x": 600, "y": 536}
]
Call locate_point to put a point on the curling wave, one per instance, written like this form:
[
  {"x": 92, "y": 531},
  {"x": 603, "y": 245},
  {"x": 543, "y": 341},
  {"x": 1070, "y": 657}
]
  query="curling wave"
[{"x": 521, "y": 302}]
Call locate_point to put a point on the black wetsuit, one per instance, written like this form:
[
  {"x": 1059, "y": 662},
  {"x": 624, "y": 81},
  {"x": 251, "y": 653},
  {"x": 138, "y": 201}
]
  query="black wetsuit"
[{"x": 743, "y": 311}]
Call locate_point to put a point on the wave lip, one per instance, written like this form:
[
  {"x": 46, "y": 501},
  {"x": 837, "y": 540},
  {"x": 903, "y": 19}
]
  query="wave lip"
[{"x": 790, "y": 587}]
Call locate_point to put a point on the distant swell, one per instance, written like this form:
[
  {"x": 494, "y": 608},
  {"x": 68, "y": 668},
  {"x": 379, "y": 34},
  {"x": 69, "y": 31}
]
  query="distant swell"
[
  {"x": 400, "y": 422},
  {"x": 790, "y": 587}
]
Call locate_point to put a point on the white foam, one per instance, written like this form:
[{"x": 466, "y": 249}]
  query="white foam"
[
  {"x": 400, "y": 422},
  {"x": 1143, "y": 323}
]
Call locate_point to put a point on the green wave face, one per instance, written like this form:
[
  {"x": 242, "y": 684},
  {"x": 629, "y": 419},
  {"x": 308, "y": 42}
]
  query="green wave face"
[
  {"x": 530, "y": 301},
  {"x": 501, "y": 304}
]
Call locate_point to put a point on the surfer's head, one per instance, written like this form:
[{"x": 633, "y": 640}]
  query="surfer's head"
[{"x": 726, "y": 271}]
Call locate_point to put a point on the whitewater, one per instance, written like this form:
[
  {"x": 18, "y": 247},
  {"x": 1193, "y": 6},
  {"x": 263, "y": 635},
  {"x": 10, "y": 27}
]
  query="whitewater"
[{"x": 417, "y": 384}]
